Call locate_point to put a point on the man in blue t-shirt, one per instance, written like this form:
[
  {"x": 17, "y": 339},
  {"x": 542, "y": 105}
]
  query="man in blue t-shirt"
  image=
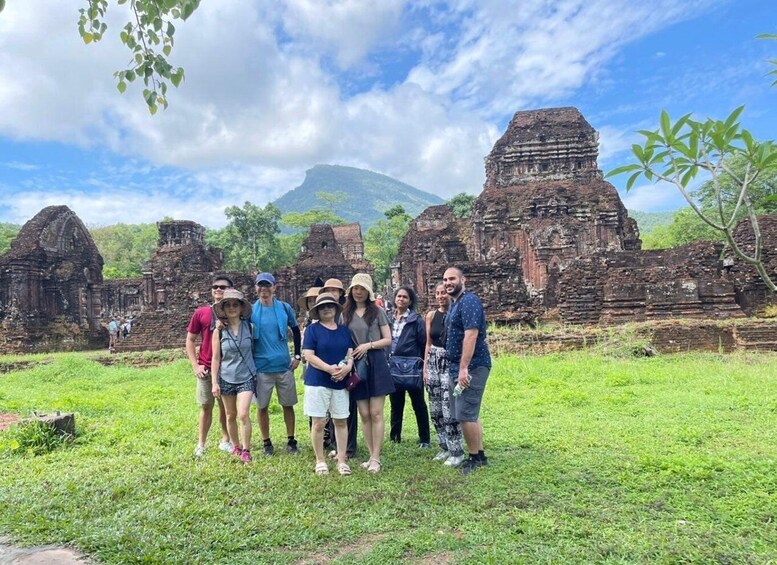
[
  {"x": 470, "y": 363},
  {"x": 275, "y": 368}
]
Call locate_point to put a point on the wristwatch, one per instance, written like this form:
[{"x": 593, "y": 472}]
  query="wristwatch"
[{"x": 298, "y": 357}]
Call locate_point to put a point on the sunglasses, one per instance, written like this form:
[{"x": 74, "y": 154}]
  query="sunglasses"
[
  {"x": 326, "y": 306},
  {"x": 264, "y": 284},
  {"x": 220, "y": 287},
  {"x": 232, "y": 305}
]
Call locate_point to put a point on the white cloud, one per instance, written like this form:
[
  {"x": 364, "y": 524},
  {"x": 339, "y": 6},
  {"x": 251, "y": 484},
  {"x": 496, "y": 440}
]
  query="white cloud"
[
  {"x": 654, "y": 198},
  {"x": 347, "y": 29},
  {"x": 260, "y": 105},
  {"x": 510, "y": 53},
  {"x": 19, "y": 166}
]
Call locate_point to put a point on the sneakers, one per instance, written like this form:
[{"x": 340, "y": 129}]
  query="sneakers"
[
  {"x": 455, "y": 460},
  {"x": 471, "y": 465},
  {"x": 268, "y": 449},
  {"x": 226, "y": 446},
  {"x": 424, "y": 445},
  {"x": 291, "y": 447},
  {"x": 199, "y": 451},
  {"x": 245, "y": 456},
  {"x": 236, "y": 451},
  {"x": 442, "y": 455}
]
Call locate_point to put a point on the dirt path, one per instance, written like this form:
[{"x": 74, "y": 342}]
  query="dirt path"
[{"x": 46, "y": 555}]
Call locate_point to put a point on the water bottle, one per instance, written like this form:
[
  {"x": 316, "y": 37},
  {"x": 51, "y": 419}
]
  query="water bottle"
[
  {"x": 343, "y": 363},
  {"x": 457, "y": 390}
]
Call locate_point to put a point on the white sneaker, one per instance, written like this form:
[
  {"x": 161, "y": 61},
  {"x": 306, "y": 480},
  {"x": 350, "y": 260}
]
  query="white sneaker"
[
  {"x": 442, "y": 455},
  {"x": 226, "y": 446},
  {"x": 199, "y": 451},
  {"x": 454, "y": 460}
]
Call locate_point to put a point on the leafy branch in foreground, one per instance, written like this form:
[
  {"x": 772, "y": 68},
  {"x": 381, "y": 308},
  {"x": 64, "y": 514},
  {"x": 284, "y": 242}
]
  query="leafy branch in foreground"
[
  {"x": 677, "y": 152},
  {"x": 771, "y": 61},
  {"x": 150, "y": 26}
]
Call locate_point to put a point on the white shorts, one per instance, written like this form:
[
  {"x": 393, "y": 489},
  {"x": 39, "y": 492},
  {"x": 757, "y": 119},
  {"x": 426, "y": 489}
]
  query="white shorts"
[{"x": 319, "y": 400}]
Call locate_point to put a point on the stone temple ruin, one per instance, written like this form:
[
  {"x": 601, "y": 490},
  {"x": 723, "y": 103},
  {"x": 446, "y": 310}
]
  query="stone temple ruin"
[
  {"x": 53, "y": 296},
  {"x": 548, "y": 236},
  {"x": 51, "y": 285},
  {"x": 548, "y": 233}
]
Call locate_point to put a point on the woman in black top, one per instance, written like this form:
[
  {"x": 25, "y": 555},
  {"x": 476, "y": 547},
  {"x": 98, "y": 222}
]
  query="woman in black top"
[
  {"x": 437, "y": 383},
  {"x": 408, "y": 339}
]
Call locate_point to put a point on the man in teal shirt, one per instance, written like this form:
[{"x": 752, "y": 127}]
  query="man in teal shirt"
[{"x": 275, "y": 367}]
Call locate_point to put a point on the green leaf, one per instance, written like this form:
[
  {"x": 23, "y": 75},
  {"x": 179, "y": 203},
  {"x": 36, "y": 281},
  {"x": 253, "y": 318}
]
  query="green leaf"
[
  {"x": 623, "y": 169},
  {"x": 734, "y": 116},
  {"x": 187, "y": 10},
  {"x": 87, "y": 37},
  {"x": 152, "y": 108},
  {"x": 632, "y": 180},
  {"x": 2, "y": 5},
  {"x": 122, "y": 86},
  {"x": 166, "y": 50},
  {"x": 666, "y": 125},
  {"x": 170, "y": 29},
  {"x": 130, "y": 75},
  {"x": 177, "y": 77}
]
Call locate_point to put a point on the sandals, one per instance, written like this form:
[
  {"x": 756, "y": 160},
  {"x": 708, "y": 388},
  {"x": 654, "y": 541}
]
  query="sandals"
[
  {"x": 321, "y": 468},
  {"x": 374, "y": 466},
  {"x": 343, "y": 469}
]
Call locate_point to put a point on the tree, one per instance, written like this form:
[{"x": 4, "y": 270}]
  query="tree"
[
  {"x": 462, "y": 204},
  {"x": 331, "y": 199},
  {"x": 381, "y": 242},
  {"x": 250, "y": 238},
  {"x": 7, "y": 233},
  {"x": 686, "y": 227},
  {"x": 150, "y": 28},
  {"x": 125, "y": 248},
  {"x": 677, "y": 152}
]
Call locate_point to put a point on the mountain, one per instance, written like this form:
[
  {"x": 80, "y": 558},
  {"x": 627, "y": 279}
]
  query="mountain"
[
  {"x": 367, "y": 194},
  {"x": 647, "y": 221}
]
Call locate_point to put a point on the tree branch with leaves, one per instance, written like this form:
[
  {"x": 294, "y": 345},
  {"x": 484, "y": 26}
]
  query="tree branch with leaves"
[
  {"x": 677, "y": 152},
  {"x": 149, "y": 35}
]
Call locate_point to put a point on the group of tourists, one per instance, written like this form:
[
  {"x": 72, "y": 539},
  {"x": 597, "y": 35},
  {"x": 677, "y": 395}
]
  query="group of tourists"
[{"x": 355, "y": 354}]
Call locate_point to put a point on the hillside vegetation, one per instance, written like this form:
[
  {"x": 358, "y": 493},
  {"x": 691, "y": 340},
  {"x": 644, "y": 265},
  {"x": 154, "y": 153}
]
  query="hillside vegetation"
[{"x": 365, "y": 195}]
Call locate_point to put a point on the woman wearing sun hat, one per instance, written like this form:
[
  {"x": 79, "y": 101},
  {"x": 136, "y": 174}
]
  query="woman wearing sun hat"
[
  {"x": 233, "y": 372},
  {"x": 306, "y": 302},
  {"x": 335, "y": 288},
  {"x": 371, "y": 334},
  {"x": 327, "y": 348}
]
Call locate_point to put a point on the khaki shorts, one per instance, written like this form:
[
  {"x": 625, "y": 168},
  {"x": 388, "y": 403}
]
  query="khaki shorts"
[
  {"x": 319, "y": 400},
  {"x": 204, "y": 390},
  {"x": 283, "y": 382}
]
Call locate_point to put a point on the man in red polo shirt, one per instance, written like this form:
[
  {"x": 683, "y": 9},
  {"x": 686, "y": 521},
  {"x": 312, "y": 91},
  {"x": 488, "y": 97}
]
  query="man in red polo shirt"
[{"x": 201, "y": 326}]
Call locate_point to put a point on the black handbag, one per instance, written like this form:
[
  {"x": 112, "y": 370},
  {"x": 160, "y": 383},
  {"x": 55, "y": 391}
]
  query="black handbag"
[{"x": 407, "y": 372}]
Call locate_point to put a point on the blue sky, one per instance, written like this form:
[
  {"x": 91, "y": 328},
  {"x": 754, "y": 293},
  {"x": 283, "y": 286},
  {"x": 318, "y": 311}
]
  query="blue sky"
[{"x": 416, "y": 90}]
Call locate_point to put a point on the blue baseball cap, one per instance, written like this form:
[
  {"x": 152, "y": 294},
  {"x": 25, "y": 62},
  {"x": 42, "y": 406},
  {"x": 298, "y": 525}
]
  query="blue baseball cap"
[{"x": 265, "y": 277}]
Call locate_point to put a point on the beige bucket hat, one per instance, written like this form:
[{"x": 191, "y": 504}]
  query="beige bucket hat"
[{"x": 363, "y": 280}]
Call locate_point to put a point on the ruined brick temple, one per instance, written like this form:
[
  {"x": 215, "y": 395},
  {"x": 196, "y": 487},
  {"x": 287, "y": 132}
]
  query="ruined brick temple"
[
  {"x": 51, "y": 285},
  {"x": 547, "y": 236},
  {"x": 548, "y": 233},
  {"x": 53, "y": 296}
]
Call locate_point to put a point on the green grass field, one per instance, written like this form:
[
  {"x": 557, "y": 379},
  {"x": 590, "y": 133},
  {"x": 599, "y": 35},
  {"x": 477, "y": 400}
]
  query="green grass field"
[{"x": 592, "y": 459}]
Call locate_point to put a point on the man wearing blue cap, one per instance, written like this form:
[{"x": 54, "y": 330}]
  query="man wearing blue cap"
[{"x": 275, "y": 367}]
